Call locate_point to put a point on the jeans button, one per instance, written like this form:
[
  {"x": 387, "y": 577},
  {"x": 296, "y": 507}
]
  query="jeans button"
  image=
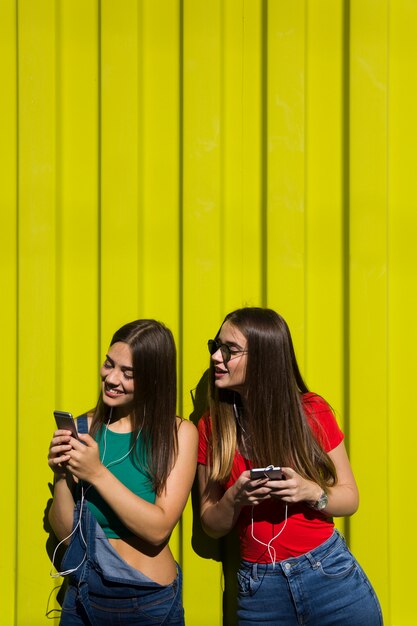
[{"x": 287, "y": 566}]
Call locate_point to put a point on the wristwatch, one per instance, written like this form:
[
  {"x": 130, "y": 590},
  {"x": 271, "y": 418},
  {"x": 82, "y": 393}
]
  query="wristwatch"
[{"x": 321, "y": 503}]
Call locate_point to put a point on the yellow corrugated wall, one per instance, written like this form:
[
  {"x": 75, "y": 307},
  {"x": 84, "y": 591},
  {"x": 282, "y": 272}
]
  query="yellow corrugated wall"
[{"x": 181, "y": 158}]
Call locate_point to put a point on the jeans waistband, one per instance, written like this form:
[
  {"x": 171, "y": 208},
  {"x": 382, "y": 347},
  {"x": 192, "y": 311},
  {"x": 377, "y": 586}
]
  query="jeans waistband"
[{"x": 297, "y": 563}]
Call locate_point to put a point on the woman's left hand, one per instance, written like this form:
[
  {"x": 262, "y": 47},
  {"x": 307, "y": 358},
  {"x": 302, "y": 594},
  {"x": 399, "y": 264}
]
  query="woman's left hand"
[
  {"x": 294, "y": 488},
  {"x": 84, "y": 461}
]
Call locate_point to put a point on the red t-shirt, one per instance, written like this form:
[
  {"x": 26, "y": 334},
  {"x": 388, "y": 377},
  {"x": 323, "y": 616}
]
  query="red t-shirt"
[{"x": 306, "y": 528}]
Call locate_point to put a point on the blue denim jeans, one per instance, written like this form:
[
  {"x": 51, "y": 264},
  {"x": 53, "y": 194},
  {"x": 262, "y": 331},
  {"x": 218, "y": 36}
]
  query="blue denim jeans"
[
  {"x": 104, "y": 590},
  {"x": 325, "y": 587}
]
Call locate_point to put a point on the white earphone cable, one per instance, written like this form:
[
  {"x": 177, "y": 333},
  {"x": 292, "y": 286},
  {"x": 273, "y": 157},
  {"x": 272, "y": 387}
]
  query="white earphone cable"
[
  {"x": 271, "y": 550},
  {"x": 82, "y": 499}
]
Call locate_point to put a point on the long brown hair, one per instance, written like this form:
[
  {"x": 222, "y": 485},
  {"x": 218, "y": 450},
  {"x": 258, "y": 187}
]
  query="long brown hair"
[
  {"x": 154, "y": 396},
  {"x": 275, "y": 425}
]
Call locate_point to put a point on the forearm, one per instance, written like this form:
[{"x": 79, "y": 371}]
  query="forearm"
[
  {"x": 220, "y": 517},
  {"x": 151, "y": 522},
  {"x": 344, "y": 496},
  {"x": 61, "y": 512},
  {"x": 343, "y": 500},
  {"x": 144, "y": 519}
]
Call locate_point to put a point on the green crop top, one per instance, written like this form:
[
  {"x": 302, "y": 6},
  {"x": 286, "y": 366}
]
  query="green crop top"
[{"x": 128, "y": 471}]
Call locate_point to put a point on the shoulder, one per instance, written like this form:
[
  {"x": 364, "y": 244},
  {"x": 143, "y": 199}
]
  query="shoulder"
[
  {"x": 322, "y": 420},
  {"x": 186, "y": 430},
  {"x": 313, "y": 403},
  {"x": 204, "y": 426}
]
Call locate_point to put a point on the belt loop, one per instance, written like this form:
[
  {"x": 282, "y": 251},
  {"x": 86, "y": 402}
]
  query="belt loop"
[
  {"x": 255, "y": 571},
  {"x": 313, "y": 561}
]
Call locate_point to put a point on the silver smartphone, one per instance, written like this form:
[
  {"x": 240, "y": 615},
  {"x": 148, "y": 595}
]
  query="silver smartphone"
[
  {"x": 65, "y": 421},
  {"x": 271, "y": 472}
]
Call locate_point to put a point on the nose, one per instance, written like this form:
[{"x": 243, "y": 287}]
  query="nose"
[
  {"x": 112, "y": 377},
  {"x": 217, "y": 356}
]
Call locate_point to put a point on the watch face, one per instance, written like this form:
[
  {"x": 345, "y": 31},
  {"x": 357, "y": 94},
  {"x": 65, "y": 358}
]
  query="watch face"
[{"x": 321, "y": 502}]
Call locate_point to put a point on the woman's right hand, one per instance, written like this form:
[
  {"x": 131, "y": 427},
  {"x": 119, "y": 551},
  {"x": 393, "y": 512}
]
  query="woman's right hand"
[
  {"x": 250, "y": 492},
  {"x": 220, "y": 509},
  {"x": 62, "y": 509},
  {"x": 58, "y": 451}
]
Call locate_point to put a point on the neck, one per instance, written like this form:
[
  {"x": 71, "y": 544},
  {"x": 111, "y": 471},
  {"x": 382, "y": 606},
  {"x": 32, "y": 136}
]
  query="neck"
[
  {"x": 120, "y": 421},
  {"x": 240, "y": 401},
  {"x": 120, "y": 412}
]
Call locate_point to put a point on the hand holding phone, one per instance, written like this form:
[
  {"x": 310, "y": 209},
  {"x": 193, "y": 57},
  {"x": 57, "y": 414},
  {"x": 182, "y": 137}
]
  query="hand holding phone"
[
  {"x": 65, "y": 421},
  {"x": 270, "y": 472}
]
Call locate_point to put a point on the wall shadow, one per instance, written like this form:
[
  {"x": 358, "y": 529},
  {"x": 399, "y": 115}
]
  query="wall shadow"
[
  {"x": 226, "y": 549},
  {"x": 58, "y": 592}
]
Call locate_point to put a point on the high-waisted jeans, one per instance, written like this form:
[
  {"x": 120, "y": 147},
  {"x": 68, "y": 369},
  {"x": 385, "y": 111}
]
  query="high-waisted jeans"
[
  {"x": 104, "y": 590},
  {"x": 325, "y": 587}
]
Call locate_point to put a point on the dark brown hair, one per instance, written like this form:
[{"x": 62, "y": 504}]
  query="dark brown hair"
[
  {"x": 274, "y": 421},
  {"x": 154, "y": 395}
]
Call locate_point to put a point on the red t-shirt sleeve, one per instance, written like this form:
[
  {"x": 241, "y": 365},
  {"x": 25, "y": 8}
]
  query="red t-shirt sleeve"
[
  {"x": 322, "y": 421},
  {"x": 204, "y": 431}
]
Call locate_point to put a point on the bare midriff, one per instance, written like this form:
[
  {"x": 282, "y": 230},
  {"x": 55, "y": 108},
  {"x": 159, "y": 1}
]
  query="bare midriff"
[{"x": 155, "y": 562}]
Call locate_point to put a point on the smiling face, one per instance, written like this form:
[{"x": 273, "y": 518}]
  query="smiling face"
[
  {"x": 230, "y": 375},
  {"x": 117, "y": 377}
]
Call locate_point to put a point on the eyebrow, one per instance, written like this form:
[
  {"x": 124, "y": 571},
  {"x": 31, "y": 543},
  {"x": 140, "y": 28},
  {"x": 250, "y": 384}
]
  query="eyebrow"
[
  {"x": 124, "y": 368},
  {"x": 232, "y": 344}
]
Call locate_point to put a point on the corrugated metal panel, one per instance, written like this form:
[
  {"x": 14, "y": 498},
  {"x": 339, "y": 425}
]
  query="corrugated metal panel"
[
  {"x": 8, "y": 310},
  {"x": 368, "y": 289},
  {"x": 178, "y": 159},
  {"x": 401, "y": 303}
]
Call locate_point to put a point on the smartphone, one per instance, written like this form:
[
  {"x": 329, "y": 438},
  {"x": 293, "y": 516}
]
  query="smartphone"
[
  {"x": 65, "y": 421},
  {"x": 271, "y": 472}
]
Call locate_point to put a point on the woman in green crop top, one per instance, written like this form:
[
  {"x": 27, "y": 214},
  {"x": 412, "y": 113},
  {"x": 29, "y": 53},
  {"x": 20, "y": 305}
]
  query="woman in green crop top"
[{"x": 130, "y": 477}]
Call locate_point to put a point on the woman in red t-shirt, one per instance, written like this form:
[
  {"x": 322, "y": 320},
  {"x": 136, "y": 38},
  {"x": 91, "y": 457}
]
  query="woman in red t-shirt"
[{"x": 296, "y": 567}]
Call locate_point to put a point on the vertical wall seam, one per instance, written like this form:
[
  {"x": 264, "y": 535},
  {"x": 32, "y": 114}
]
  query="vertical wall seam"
[
  {"x": 346, "y": 226},
  {"x": 58, "y": 222},
  {"x": 181, "y": 233},
  {"x": 17, "y": 305},
  {"x": 221, "y": 144},
  {"x": 305, "y": 178},
  {"x": 387, "y": 226},
  {"x": 264, "y": 155},
  {"x": 99, "y": 179},
  {"x": 242, "y": 118},
  {"x": 140, "y": 154},
  {"x": 180, "y": 197}
]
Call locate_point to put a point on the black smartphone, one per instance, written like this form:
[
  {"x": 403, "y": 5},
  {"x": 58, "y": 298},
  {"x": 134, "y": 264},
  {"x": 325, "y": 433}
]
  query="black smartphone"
[
  {"x": 65, "y": 421},
  {"x": 271, "y": 472}
]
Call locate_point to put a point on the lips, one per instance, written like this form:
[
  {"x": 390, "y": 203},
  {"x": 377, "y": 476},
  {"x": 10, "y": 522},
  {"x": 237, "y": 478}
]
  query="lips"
[
  {"x": 218, "y": 372},
  {"x": 111, "y": 392}
]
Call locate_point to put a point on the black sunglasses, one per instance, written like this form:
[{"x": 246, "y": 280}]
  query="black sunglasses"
[{"x": 227, "y": 352}]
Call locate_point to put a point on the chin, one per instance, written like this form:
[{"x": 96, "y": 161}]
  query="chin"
[
  {"x": 221, "y": 384},
  {"x": 116, "y": 402}
]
